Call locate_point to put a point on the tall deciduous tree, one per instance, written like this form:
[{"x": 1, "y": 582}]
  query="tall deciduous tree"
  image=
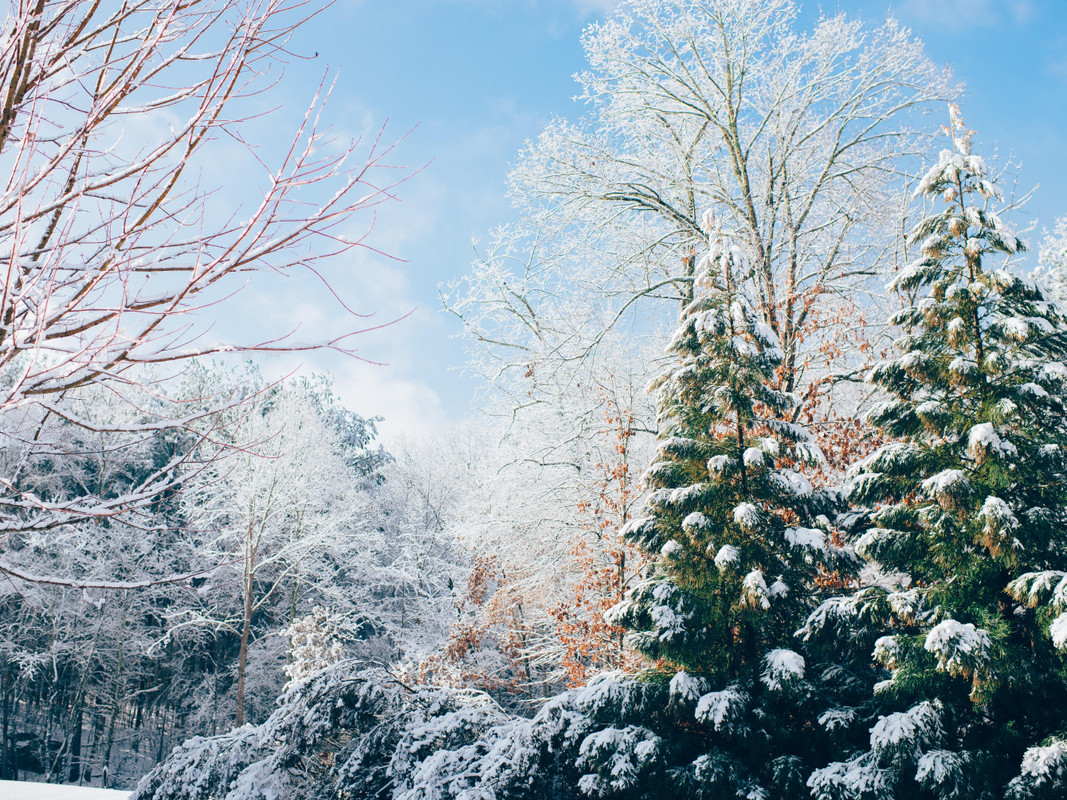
[
  {"x": 1052, "y": 267},
  {"x": 798, "y": 138},
  {"x": 274, "y": 513}
]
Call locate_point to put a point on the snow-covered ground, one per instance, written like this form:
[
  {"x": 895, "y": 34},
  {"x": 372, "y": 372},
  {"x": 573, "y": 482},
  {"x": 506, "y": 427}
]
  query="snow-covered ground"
[{"x": 17, "y": 790}]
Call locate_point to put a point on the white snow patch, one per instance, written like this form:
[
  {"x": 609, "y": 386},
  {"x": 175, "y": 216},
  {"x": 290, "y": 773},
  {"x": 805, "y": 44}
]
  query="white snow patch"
[
  {"x": 811, "y": 538},
  {"x": 754, "y": 592},
  {"x": 685, "y": 687},
  {"x": 746, "y": 516},
  {"x": 983, "y": 438},
  {"x": 1046, "y": 762},
  {"x": 781, "y": 669},
  {"x": 1058, "y": 630},
  {"x": 960, "y": 647},
  {"x": 25, "y": 790},
  {"x": 727, "y": 556},
  {"x": 721, "y": 708},
  {"x": 695, "y": 520},
  {"x": 947, "y": 481},
  {"x": 793, "y": 482},
  {"x": 670, "y": 549}
]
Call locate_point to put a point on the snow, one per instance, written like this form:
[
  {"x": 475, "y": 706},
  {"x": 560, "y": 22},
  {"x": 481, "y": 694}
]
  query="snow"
[
  {"x": 719, "y": 464},
  {"x": 686, "y": 687},
  {"x": 1058, "y": 631},
  {"x": 21, "y": 790},
  {"x": 837, "y": 719},
  {"x": 695, "y": 520},
  {"x": 792, "y": 482},
  {"x": 721, "y": 708},
  {"x": 983, "y": 438},
  {"x": 753, "y": 457},
  {"x": 944, "y": 482},
  {"x": 811, "y": 538},
  {"x": 754, "y": 592},
  {"x": 781, "y": 669},
  {"x": 997, "y": 516},
  {"x": 911, "y": 729},
  {"x": 959, "y": 646},
  {"x": 746, "y": 516},
  {"x": 670, "y": 548},
  {"x": 1044, "y": 762},
  {"x": 939, "y": 766},
  {"x": 727, "y": 556},
  {"x": 886, "y": 650}
]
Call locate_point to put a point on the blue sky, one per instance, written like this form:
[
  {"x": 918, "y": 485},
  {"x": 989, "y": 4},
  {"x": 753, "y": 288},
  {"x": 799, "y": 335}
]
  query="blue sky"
[{"x": 473, "y": 79}]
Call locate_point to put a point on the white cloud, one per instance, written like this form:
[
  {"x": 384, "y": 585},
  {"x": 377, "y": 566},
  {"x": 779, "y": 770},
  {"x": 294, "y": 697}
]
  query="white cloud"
[{"x": 957, "y": 15}]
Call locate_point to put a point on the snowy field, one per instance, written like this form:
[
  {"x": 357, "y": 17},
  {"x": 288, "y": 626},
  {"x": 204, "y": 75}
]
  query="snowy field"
[{"x": 17, "y": 790}]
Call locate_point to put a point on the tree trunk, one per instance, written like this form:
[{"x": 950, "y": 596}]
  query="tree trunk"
[
  {"x": 242, "y": 661},
  {"x": 76, "y": 744}
]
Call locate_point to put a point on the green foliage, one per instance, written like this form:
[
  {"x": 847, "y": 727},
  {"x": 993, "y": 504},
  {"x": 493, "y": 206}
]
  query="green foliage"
[{"x": 967, "y": 513}]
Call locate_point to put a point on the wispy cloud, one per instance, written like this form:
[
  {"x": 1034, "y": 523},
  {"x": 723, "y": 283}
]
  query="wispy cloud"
[{"x": 957, "y": 15}]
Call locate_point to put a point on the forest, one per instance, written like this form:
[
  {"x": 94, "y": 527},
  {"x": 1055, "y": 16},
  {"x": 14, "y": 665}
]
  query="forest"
[{"x": 766, "y": 496}]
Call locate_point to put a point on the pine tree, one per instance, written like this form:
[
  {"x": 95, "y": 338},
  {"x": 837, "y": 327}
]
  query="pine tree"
[
  {"x": 737, "y": 541},
  {"x": 731, "y": 558},
  {"x": 967, "y": 517}
]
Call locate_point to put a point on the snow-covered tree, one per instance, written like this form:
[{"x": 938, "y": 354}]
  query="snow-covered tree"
[
  {"x": 797, "y": 136},
  {"x": 1052, "y": 266},
  {"x": 967, "y": 512},
  {"x": 273, "y": 513},
  {"x": 727, "y": 516},
  {"x": 112, "y": 232}
]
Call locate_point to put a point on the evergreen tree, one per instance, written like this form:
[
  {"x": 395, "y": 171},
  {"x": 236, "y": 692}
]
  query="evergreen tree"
[
  {"x": 737, "y": 540},
  {"x": 967, "y": 511}
]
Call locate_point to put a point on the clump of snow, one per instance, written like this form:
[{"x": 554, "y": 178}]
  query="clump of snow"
[
  {"x": 719, "y": 464},
  {"x": 746, "y": 515},
  {"x": 906, "y": 604},
  {"x": 997, "y": 517},
  {"x": 782, "y": 669},
  {"x": 686, "y": 688},
  {"x": 727, "y": 556},
  {"x": 960, "y": 647},
  {"x": 983, "y": 440},
  {"x": 792, "y": 482},
  {"x": 754, "y": 592},
  {"x": 1046, "y": 762},
  {"x": 753, "y": 457},
  {"x": 837, "y": 719},
  {"x": 720, "y": 709},
  {"x": 695, "y": 520},
  {"x": 811, "y": 538},
  {"x": 940, "y": 768},
  {"x": 907, "y": 733},
  {"x": 1037, "y": 587},
  {"x": 620, "y": 757},
  {"x": 670, "y": 548},
  {"x": 1058, "y": 631},
  {"x": 948, "y": 483},
  {"x": 886, "y": 651}
]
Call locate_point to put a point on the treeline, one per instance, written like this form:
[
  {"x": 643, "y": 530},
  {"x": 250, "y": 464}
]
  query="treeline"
[{"x": 140, "y": 629}]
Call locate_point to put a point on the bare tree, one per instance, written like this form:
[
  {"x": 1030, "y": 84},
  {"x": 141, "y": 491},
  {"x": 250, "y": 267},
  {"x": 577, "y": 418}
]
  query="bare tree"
[
  {"x": 798, "y": 142},
  {"x": 118, "y": 121},
  {"x": 268, "y": 510}
]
